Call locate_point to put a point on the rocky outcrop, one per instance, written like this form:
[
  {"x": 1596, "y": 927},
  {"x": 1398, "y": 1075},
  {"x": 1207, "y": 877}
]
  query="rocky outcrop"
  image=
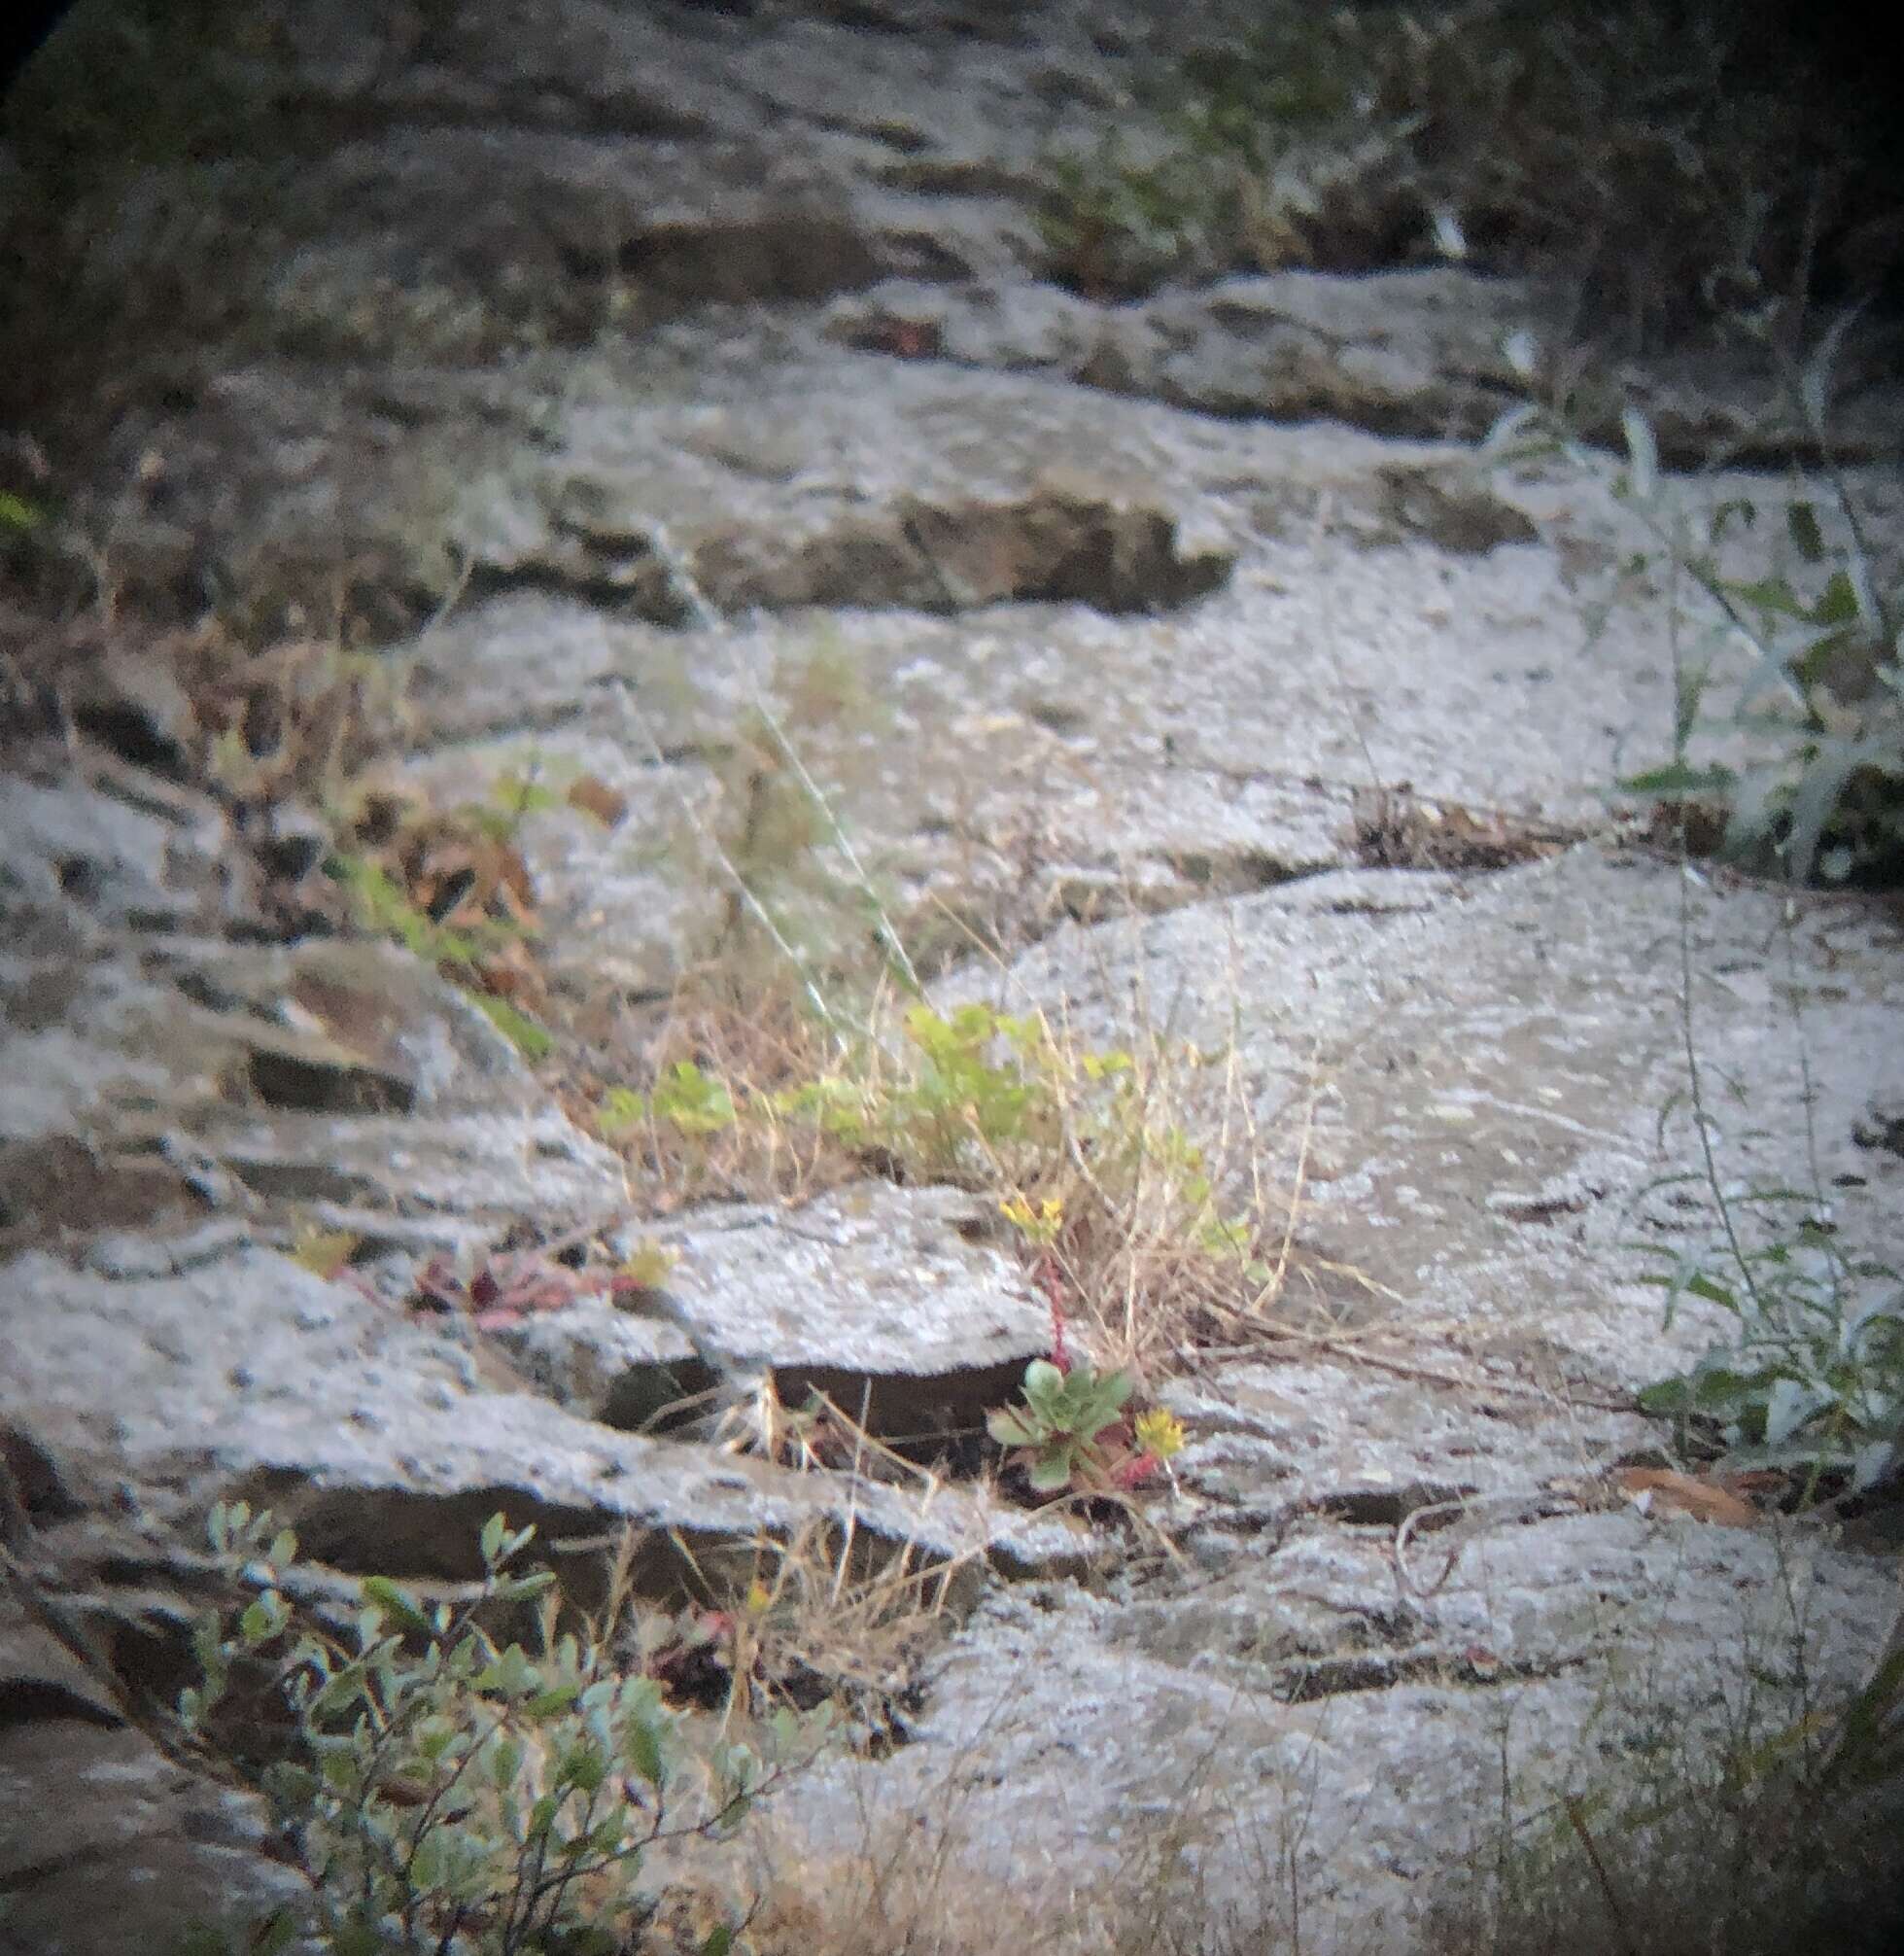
[
  {"x": 105, "y": 1839},
  {"x": 671, "y": 407}
]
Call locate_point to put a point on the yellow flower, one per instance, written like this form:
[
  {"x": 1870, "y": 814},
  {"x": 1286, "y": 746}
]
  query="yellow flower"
[
  {"x": 1160, "y": 1434},
  {"x": 1040, "y": 1225}
]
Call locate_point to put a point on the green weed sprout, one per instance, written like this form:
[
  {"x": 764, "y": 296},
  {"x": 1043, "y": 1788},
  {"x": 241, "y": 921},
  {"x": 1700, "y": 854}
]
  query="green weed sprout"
[{"x": 1813, "y": 1378}]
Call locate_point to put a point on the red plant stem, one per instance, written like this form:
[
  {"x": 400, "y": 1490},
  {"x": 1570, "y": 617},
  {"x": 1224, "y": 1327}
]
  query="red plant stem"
[{"x": 1051, "y": 1280}]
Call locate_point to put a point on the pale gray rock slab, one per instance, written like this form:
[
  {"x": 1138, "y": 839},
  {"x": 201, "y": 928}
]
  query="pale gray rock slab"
[
  {"x": 119, "y": 850},
  {"x": 1403, "y": 1551},
  {"x": 1494, "y": 1074},
  {"x": 890, "y": 1301},
  {"x": 434, "y": 408},
  {"x": 1387, "y": 613},
  {"x": 324, "y": 1081},
  {"x": 1397, "y": 622},
  {"x": 1271, "y": 1441},
  {"x": 1308, "y": 1721},
  {"x": 1416, "y": 353},
  {"x": 105, "y": 1843},
  {"x": 376, "y": 1439}
]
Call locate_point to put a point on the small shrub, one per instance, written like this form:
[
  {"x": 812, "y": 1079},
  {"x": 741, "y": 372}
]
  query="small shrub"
[
  {"x": 1750, "y": 1846},
  {"x": 448, "y": 1792},
  {"x": 1820, "y": 701},
  {"x": 1113, "y": 227}
]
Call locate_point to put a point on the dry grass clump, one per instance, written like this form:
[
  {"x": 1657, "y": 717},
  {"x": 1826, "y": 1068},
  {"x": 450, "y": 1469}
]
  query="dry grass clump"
[
  {"x": 1734, "y": 1872},
  {"x": 1671, "y": 163},
  {"x": 295, "y": 720},
  {"x": 1668, "y": 165},
  {"x": 1128, "y": 1176},
  {"x": 824, "y": 1618}
]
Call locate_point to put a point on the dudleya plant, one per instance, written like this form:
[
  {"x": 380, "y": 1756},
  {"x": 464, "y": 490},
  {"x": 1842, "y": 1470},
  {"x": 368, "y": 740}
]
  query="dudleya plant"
[{"x": 1071, "y": 1431}]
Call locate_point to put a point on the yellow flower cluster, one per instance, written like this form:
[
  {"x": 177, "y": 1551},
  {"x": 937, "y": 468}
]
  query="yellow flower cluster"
[
  {"x": 1039, "y": 1225},
  {"x": 1160, "y": 1434}
]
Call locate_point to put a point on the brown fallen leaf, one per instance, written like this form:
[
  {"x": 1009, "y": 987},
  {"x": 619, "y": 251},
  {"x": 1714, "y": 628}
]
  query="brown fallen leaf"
[
  {"x": 1655, "y": 1487},
  {"x": 593, "y": 795}
]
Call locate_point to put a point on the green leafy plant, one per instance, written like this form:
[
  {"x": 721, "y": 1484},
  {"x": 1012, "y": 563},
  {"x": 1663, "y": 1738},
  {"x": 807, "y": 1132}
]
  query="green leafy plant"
[
  {"x": 1797, "y": 664},
  {"x": 692, "y": 1101},
  {"x": 514, "y": 795},
  {"x": 1813, "y": 1377},
  {"x": 1822, "y": 701},
  {"x": 1086, "y": 1153},
  {"x": 531, "y": 1040},
  {"x": 446, "y": 1791},
  {"x": 968, "y": 1085},
  {"x": 383, "y": 906},
  {"x": 1061, "y": 1431},
  {"x": 1070, "y": 1430}
]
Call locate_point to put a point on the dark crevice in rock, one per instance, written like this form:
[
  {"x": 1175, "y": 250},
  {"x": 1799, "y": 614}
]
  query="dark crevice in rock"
[
  {"x": 659, "y": 1399},
  {"x": 636, "y": 589},
  {"x": 946, "y": 558},
  {"x": 296, "y": 1084},
  {"x": 908, "y": 141},
  {"x": 1241, "y": 872},
  {"x": 913, "y": 1414},
  {"x": 301, "y": 1182},
  {"x": 1377, "y": 1671},
  {"x": 1386, "y": 1506},
  {"x": 35, "y": 1480},
  {"x": 135, "y": 736},
  {"x": 410, "y": 1533},
  {"x": 419, "y": 1536},
  {"x": 30, "y": 1700}
]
